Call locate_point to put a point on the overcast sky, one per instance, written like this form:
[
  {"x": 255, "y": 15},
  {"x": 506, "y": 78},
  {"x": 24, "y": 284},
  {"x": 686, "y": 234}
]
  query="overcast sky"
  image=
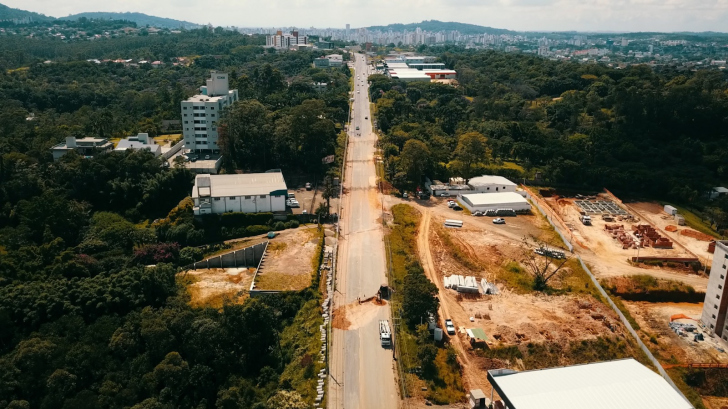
[{"x": 551, "y": 15}]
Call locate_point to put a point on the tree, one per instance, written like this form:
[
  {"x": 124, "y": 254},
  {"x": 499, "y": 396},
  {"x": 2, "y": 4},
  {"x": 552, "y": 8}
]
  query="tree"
[
  {"x": 420, "y": 295},
  {"x": 414, "y": 160},
  {"x": 540, "y": 263},
  {"x": 471, "y": 150},
  {"x": 287, "y": 400}
]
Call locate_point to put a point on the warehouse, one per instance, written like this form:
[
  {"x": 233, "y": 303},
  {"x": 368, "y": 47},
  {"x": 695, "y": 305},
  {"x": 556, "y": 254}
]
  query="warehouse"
[
  {"x": 494, "y": 201},
  {"x": 491, "y": 184},
  {"x": 247, "y": 193},
  {"x": 623, "y": 384}
]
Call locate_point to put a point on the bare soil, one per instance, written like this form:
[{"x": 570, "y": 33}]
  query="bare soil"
[
  {"x": 211, "y": 287},
  {"x": 288, "y": 262},
  {"x": 355, "y": 315}
]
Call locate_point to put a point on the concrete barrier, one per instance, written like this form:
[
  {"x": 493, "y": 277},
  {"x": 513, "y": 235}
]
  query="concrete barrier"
[
  {"x": 248, "y": 257},
  {"x": 174, "y": 149}
]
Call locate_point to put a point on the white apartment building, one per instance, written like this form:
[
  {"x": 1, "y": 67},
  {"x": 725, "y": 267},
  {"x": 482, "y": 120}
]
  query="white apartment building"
[
  {"x": 716, "y": 296},
  {"x": 247, "y": 193},
  {"x": 285, "y": 41},
  {"x": 201, "y": 112}
]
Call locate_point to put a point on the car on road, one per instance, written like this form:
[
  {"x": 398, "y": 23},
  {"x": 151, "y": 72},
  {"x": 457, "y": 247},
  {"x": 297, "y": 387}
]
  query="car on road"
[
  {"x": 499, "y": 220},
  {"x": 366, "y": 117},
  {"x": 357, "y": 92},
  {"x": 449, "y": 327},
  {"x": 357, "y": 128},
  {"x": 308, "y": 186}
]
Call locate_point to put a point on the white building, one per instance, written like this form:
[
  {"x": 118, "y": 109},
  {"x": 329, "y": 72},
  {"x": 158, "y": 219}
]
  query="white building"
[
  {"x": 491, "y": 184},
  {"x": 86, "y": 147},
  {"x": 247, "y": 193},
  {"x": 201, "y": 112},
  {"x": 140, "y": 141},
  {"x": 623, "y": 384},
  {"x": 494, "y": 201},
  {"x": 716, "y": 295},
  {"x": 285, "y": 41}
]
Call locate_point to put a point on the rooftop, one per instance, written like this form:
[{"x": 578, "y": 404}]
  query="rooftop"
[
  {"x": 204, "y": 98},
  {"x": 490, "y": 180},
  {"x": 624, "y": 384},
  {"x": 494, "y": 198},
  {"x": 245, "y": 184},
  {"x": 720, "y": 189}
]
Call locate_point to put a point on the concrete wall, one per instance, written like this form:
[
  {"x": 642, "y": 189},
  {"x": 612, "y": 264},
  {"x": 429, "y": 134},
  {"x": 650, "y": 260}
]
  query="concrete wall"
[
  {"x": 175, "y": 148},
  {"x": 249, "y": 204},
  {"x": 248, "y": 257}
]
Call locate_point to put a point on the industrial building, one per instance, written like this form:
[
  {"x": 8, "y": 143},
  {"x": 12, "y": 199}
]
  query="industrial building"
[
  {"x": 716, "y": 294},
  {"x": 494, "y": 201},
  {"x": 623, "y": 384},
  {"x": 141, "y": 141},
  {"x": 416, "y": 68},
  {"x": 246, "y": 193},
  {"x": 86, "y": 147},
  {"x": 491, "y": 184},
  {"x": 201, "y": 112},
  {"x": 282, "y": 41}
]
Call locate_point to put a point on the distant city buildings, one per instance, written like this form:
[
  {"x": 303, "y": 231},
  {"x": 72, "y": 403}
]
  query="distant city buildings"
[
  {"x": 410, "y": 68},
  {"x": 285, "y": 41},
  {"x": 201, "y": 112},
  {"x": 329, "y": 61}
]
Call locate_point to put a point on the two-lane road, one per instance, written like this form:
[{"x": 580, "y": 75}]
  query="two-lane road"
[{"x": 362, "y": 372}]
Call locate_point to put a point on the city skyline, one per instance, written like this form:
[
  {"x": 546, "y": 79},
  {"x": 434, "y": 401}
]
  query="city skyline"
[{"x": 517, "y": 15}]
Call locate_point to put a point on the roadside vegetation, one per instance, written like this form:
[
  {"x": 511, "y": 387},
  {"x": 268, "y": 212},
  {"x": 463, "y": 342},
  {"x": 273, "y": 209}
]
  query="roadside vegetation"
[
  {"x": 422, "y": 361},
  {"x": 644, "y": 287}
]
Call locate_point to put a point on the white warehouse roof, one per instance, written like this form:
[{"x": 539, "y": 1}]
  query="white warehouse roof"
[
  {"x": 623, "y": 384},
  {"x": 485, "y": 199},
  {"x": 486, "y": 180},
  {"x": 245, "y": 184}
]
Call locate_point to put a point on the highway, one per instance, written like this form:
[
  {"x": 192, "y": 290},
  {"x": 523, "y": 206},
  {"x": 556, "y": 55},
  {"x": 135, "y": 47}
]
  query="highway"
[{"x": 361, "y": 370}]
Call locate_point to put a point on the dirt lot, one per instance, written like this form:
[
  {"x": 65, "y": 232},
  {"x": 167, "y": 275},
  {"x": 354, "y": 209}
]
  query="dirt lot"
[
  {"x": 287, "y": 265},
  {"x": 209, "y": 287},
  {"x": 605, "y": 254},
  {"x": 654, "y": 319}
]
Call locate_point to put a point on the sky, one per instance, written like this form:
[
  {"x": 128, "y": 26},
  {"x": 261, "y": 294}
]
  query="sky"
[{"x": 521, "y": 15}]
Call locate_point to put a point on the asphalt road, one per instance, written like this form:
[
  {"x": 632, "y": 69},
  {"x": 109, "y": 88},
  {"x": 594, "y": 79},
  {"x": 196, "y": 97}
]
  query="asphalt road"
[{"x": 362, "y": 371}]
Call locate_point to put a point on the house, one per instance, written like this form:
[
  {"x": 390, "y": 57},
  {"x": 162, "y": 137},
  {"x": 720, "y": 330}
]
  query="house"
[
  {"x": 86, "y": 147},
  {"x": 246, "y": 193},
  {"x": 140, "y": 141},
  {"x": 623, "y": 384},
  {"x": 717, "y": 192}
]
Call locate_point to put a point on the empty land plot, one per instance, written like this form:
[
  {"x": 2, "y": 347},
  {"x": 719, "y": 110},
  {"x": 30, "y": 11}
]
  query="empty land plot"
[
  {"x": 211, "y": 287},
  {"x": 287, "y": 265}
]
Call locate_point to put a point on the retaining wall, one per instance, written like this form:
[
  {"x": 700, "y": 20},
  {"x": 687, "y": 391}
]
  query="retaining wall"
[{"x": 247, "y": 257}]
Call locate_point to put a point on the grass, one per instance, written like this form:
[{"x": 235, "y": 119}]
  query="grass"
[
  {"x": 174, "y": 138},
  {"x": 516, "y": 278},
  {"x": 512, "y": 165},
  {"x": 273, "y": 281},
  {"x": 678, "y": 376},
  {"x": 643, "y": 287},
  {"x": 696, "y": 222},
  {"x": 620, "y": 305}
]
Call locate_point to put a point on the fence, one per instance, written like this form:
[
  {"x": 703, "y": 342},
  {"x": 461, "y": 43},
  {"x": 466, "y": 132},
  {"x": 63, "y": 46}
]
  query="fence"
[{"x": 611, "y": 303}]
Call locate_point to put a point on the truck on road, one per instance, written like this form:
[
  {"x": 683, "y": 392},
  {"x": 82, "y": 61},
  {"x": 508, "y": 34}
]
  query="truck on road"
[{"x": 385, "y": 334}]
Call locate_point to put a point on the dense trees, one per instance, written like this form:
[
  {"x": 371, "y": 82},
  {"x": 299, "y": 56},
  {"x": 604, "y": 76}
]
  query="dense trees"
[{"x": 637, "y": 130}]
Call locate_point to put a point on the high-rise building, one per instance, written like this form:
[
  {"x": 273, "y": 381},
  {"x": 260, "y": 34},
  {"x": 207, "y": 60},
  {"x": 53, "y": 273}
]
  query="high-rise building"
[
  {"x": 716, "y": 295},
  {"x": 201, "y": 112},
  {"x": 285, "y": 41},
  {"x": 348, "y": 27}
]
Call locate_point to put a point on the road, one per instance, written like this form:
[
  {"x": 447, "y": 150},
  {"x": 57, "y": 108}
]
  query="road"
[{"x": 361, "y": 371}]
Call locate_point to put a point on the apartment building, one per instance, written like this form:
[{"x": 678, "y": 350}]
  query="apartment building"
[
  {"x": 716, "y": 296},
  {"x": 201, "y": 112}
]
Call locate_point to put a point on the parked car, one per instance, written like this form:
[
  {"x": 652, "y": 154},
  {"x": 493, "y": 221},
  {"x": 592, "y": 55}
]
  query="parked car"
[
  {"x": 457, "y": 207},
  {"x": 449, "y": 327},
  {"x": 451, "y": 203},
  {"x": 405, "y": 195},
  {"x": 357, "y": 128},
  {"x": 308, "y": 186},
  {"x": 207, "y": 157},
  {"x": 499, "y": 220},
  {"x": 291, "y": 195},
  {"x": 444, "y": 194}
]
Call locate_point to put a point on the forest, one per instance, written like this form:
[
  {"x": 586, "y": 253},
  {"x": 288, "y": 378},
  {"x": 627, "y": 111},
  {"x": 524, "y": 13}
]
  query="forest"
[
  {"x": 651, "y": 133},
  {"x": 93, "y": 313}
]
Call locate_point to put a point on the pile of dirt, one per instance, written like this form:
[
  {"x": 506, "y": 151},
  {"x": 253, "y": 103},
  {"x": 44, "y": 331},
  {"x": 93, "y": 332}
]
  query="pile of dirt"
[
  {"x": 339, "y": 320},
  {"x": 671, "y": 228},
  {"x": 696, "y": 235}
]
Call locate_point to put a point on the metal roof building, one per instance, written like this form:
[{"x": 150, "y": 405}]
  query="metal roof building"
[
  {"x": 248, "y": 193},
  {"x": 491, "y": 184},
  {"x": 623, "y": 384},
  {"x": 488, "y": 201}
]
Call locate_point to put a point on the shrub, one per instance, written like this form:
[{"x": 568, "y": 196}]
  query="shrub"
[
  {"x": 189, "y": 255},
  {"x": 279, "y": 226}
]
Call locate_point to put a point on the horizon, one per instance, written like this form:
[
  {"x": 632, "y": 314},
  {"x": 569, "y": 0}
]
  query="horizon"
[{"x": 538, "y": 16}]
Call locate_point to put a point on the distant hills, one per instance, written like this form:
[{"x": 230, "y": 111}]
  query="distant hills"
[
  {"x": 140, "y": 19},
  {"x": 436, "y": 25},
  {"x": 7, "y": 13}
]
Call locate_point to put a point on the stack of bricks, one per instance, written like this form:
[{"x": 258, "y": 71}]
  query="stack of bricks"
[{"x": 650, "y": 237}]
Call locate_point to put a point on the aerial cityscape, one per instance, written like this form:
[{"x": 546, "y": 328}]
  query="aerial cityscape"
[{"x": 205, "y": 206}]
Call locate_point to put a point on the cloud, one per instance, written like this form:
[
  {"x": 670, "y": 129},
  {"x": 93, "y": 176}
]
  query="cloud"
[{"x": 532, "y": 15}]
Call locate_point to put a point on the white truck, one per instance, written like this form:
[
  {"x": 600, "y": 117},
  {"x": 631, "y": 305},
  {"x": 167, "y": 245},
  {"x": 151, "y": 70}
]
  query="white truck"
[{"x": 385, "y": 334}]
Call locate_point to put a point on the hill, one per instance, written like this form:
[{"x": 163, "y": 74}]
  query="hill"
[
  {"x": 7, "y": 13},
  {"x": 140, "y": 19},
  {"x": 436, "y": 25}
]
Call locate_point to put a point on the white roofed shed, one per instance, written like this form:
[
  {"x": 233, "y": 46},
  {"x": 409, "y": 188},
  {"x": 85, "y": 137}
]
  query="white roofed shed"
[
  {"x": 623, "y": 384},
  {"x": 491, "y": 184},
  {"x": 488, "y": 201}
]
